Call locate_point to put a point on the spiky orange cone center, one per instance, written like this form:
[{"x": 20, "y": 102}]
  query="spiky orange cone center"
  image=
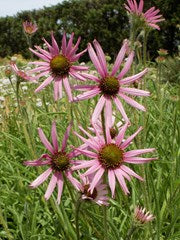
[
  {"x": 109, "y": 86},
  {"x": 110, "y": 156},
  {"x": 60, "y": 161},
  {"x": 60, "y": 65}
]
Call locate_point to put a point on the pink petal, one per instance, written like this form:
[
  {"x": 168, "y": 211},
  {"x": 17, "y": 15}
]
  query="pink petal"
[
  {"x": 40, "y": 55},
  {"x": 76, "y": 75},
  {"x": 92, "y": 169},
  {"x": 66, "y": 135},
  {"x": 101, "y": 56},
  {"x": 98, "y": 109},
  {"x": 69, "y": 45},
  {"x": 44, "y": 84},
  {"x": 134, "y": 91},
  {"x": 96, "y": 179},
  {"x": 84, "y": 165},
  {"x": 60, "y": 88},
  {"x": 112, "y": 181},
  {"x": 131, "y": 172},
  {"x": 134, "y": 77},
  {"x": 95, "y": 60},
  {"x": 73, "y": 180},
  {"x": 39, "y": 63},
  {"x": 45, "y": 141},
  {"x": 119, "y": 58},
  {"x": 68, "y": 89},
  {"x": 63, "y": 47},
  {"x": 54, "y": 44},
  {"x": 41, "y": 178},
  {"x": 44, "y": 52},
  {"x": 126, "y": 143},
  {"x": 74, "y": 49},
  {"x": 132, "y": 102},
  {"x": 121, "y": 181},
  {"x": 127, "y": 65},
  {"x": 133, "y": 153},
  {"x": 121, "y": 109},
  {"x": 108, "y": 119},
  {"x": 121, "y": 134},
  {"x": 54, "y": 137},
  {"x": 39, "y": 161},
  {"x": 138, "y": 160},
  {"x": 60, "y": 183},
  {"x": 91, "y": 77},
  {"x": 88, "y": 94},
  {"x": 51, "y": 187},
  {"x": 141, "y": 4},
  {"x": 56, "y": 90},
  {"x": 77, "y": 56}
]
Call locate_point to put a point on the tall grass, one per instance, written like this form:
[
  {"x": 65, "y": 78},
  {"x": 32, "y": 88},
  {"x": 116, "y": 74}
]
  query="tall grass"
[{"x": 24, "y": 214}]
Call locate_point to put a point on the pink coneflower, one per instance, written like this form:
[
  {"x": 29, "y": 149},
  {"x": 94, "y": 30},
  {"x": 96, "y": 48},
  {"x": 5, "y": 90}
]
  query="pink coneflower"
[
  {"x": 150, "y": 17},
  {"x": 21, "y": 73},
  {"x": 58, "y": 162},
  {"x": 59, "y": 63},
  {"x": 110, "y": 156},
  {"x": 108, "y": 86},
  {"x": 30, "y": 27},
  {"x": 142, "y": 216},
  {"x": 99, "y": 194}
]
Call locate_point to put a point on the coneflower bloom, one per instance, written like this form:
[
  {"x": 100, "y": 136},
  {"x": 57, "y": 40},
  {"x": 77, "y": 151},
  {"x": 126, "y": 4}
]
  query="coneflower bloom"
[
  {"x": 110, "y": 156},
  {"x": 58, "y": 162},
  {"x": 21, "y": 73},
  {"x": 142, "y": 216},
  {"x": 109, "y": 86},
  {"x": 30, "y": 27},
  {"x": 59, "y": 64},
  {"x": 151, "y": 17},
  {"x": 99, "y": 194}
]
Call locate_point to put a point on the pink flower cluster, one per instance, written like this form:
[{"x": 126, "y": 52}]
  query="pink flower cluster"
[{"x": 106, "y": 146}]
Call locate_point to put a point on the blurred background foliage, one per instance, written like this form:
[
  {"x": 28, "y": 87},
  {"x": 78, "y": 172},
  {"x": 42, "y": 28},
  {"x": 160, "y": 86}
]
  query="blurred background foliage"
[{"x": 105, "y": 20}]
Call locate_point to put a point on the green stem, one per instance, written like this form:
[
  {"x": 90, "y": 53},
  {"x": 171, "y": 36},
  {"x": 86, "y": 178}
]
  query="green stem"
[
  {"x": 130, "y": 232},
  {"x": 78, "y": 205}
]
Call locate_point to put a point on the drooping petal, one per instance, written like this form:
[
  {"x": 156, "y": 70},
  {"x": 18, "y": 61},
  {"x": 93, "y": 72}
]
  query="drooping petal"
[
  {"x": 121, "y": 109},
  {"x": 121, "y": 181},
  {"x": 84, "y": 165},
  {"x": 96, "y": 179},
  {"x": 60, "y": 183},
  {"x": 134, "y": 77},
  {"x": 51, "y": 187},
  {"x": 44, "y": 84},
  {"x": 41, "y": 178},
  {"x": 68, "y": 89},
  {"x": 131, "y": 172},
  {"x": 132, "y": 102},
  {"x": 112, "y": 181}
]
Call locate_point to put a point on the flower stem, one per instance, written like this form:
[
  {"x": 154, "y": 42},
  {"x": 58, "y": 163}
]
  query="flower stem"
[
  {"x": 130, "y": 232},
  {"x": 78, "y": 205}
]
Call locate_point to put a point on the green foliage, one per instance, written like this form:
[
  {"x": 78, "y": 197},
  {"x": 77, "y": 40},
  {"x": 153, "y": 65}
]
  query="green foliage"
[{"x": 105, "y": 20}]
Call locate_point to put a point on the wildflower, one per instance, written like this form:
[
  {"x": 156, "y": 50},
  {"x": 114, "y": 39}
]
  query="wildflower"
[
  {"x": 59, "y": 64},
  {"x": 99, "y": 193},
  {"x": 29, "y": 27},
  {"x": 21, "y": 73},
  {"x": 150, "y": 17},
  {"x": 109, "y": 86},
  {"x": 142, "y": 216},
  {"x": 58, "y": 162},
  {"x": 110, "y": 156}
]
